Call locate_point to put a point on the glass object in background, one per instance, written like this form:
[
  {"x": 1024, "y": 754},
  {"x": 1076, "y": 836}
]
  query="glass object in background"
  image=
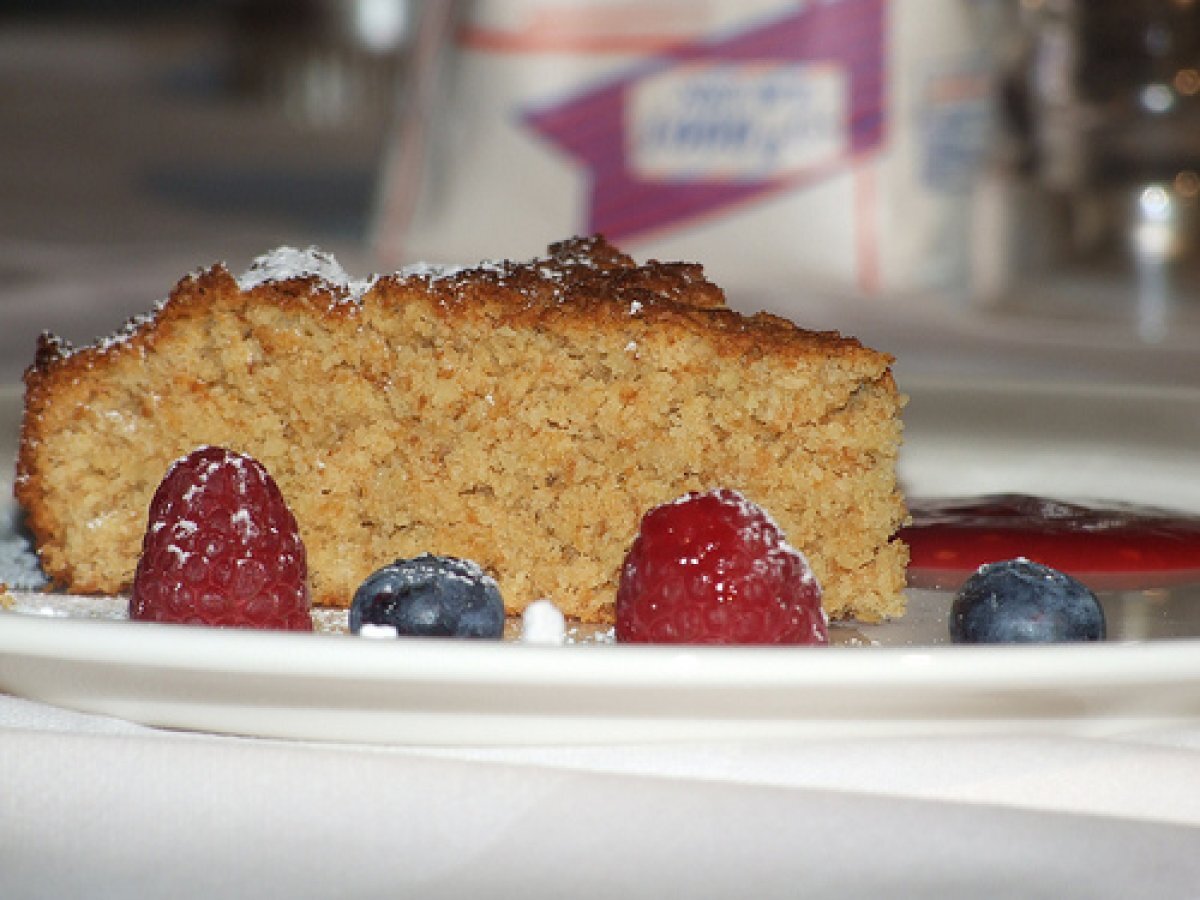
[
  {"x": 1105, "y": 101},
  {"x": 326, "y": 62}
]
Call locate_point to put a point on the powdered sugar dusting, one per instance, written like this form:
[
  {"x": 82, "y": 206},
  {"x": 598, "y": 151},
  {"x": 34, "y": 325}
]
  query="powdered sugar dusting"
[
  {"x": 19, "y": 566},
  {"x": 289, "y": 262},
  {"x": 757, "y": 520},
  {"x": 122, "y": 335},
  {"x": 243, "y": 521},
  {"x": 284, "y": 263},
  {"x": 432, "y": 271}
]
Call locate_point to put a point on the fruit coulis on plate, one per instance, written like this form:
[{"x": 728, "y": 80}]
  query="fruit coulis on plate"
[{"x": 1110, "y": 546}]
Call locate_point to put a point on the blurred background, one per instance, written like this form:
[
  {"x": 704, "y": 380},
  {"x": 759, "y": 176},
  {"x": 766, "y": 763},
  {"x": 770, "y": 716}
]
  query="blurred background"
[
  {"x": 141, "y": 141},
  {"x": 990, "y": 187}
]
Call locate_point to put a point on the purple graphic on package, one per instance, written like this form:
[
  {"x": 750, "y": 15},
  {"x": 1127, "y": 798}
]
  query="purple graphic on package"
[{"x": 715, "y": 123}]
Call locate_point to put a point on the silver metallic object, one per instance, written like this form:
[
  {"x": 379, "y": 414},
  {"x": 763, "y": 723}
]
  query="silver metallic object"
[{"x": 1103, "y": 101}]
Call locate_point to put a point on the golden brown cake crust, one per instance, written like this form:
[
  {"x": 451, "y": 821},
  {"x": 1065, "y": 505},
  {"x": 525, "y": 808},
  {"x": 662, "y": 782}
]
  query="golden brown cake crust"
[{"x": 522, "y": 414}]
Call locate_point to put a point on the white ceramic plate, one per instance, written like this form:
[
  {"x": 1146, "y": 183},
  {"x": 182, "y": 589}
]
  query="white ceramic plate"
[
  {"x": 335, "y": 687},
  {"x": 897, "y": 678}
]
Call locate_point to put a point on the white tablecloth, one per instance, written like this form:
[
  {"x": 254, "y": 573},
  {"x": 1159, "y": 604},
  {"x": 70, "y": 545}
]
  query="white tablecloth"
[{"x": 95, "y": 807}]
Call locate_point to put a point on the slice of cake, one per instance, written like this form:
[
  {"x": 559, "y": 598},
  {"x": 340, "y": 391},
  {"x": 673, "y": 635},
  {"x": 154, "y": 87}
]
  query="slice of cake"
[{"x": 523, "y": 416}]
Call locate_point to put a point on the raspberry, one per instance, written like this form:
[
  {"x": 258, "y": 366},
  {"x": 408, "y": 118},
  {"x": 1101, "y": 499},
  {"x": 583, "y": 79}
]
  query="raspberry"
[
  {"x": 713, "y": 568},
  {"x": 221, "y": 548}
]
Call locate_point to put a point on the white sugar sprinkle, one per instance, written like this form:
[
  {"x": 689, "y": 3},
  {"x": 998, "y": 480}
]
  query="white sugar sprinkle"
[
  {"x": 369, "y": 630},
  {"x": 244, "y": 522},
  {"x": 543, "y": 623}
]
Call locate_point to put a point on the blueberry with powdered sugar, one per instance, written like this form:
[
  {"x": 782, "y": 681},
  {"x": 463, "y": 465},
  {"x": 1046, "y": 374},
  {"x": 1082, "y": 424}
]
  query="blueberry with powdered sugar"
[
  {"x": 1019, "y": 601},
  {"x": 430, "y": 596}
]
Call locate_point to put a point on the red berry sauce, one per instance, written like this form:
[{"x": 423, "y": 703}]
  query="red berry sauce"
[{"x": 1109, "y": 546}]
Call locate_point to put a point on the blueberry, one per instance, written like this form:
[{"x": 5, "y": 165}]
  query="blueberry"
[
  {"x": 430, "y": 596},
  {"x": 1018, "y": 601}
]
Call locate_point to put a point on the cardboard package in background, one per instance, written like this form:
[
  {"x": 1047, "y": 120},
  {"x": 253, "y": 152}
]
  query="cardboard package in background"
[{"x": 827, "y": 145}]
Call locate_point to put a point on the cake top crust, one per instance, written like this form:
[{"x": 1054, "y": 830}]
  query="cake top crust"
[{"x": 580, "y": 282}]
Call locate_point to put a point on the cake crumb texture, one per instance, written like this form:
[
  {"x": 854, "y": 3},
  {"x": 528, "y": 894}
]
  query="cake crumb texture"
[{"x": 523, "y": 416}]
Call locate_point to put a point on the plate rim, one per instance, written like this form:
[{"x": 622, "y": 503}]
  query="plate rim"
[{"x": 237, "y": 652}]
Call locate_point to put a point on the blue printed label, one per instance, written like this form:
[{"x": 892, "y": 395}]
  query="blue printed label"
[
  {"x": 728, "y": 122},
  {"x": 703, "y": 126}
]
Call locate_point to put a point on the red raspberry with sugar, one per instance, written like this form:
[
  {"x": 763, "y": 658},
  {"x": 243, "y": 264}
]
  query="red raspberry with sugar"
[
  {"x": 221, "y": 548},
  {"x": 714, "y": 568}
]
